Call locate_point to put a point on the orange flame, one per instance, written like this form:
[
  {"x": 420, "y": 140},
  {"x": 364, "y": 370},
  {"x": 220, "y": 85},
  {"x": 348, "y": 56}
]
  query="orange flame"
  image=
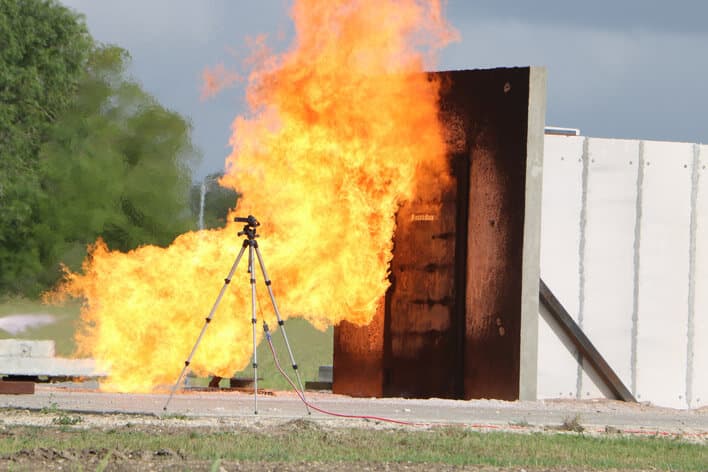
[{"x": 340, "y": 128}]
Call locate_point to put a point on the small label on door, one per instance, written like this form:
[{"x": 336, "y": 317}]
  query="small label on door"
[{"x": 423, "y": 217}]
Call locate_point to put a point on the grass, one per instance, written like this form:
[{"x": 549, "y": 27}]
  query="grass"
[
  {"x": 572, "y": 424},
  {"x": 62, "y": 331},
  {"x": 311, "y": 349},
  {"x": 67, "y": 420},
  {"x": 453, "y": 446}
]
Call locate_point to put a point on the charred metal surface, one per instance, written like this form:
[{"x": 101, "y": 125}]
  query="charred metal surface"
[
  {"x": 453, "y": 311},
  {"x": 358, "y": 358},
  {"x": 421, "y": 354},
  {"x": 496, "y": 103}
]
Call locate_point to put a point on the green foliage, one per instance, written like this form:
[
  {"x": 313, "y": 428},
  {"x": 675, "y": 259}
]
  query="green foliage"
[
  {"x": 84, "y": 151},
  {"x": 217, "y": 201},
  {"x": 572, "y": 424},
  {"x": 43, "y": 47},
  {"x": 53, "y": 407},
  {"x": 104, "y": 462},
  {"x": 216, "y": 466},
  {"x": 116, "y": 166},
  {"x": 67, "y": 420}
]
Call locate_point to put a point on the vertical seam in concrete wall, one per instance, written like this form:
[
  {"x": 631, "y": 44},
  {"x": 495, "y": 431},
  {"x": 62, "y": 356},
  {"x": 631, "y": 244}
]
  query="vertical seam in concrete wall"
[
  {"x": 690, "y": 335},
  {"x": 637, "y": 248},
  {"x": 581, "y": 258}
]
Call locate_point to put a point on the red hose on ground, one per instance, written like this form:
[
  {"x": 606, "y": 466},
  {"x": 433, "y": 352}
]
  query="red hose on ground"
[{"x": 322, "y": 410}]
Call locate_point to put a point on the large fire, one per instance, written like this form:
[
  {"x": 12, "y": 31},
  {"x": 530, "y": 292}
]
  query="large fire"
[{"x": 339, "y": 129}]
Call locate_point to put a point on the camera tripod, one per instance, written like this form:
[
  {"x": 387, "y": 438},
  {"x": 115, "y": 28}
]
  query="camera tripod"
[{"x": 250, "y": 233}]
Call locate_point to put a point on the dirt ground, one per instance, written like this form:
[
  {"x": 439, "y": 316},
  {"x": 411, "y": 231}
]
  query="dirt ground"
[
  {"x": 143, "y": 461},
  {"x": 163, "y": 461}
]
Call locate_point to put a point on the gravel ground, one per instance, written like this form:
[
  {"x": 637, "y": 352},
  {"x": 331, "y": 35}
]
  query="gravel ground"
[{"x": 236, "y": 409}]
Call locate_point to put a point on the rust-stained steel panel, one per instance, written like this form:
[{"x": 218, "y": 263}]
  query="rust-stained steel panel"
[
  {"x": 496, "y": 102},
  {"x": 420, "y": 322},
  {"x": 451, "y": 326},
  {"x": 11, "y": 387},
  {"x": 358, "y": 358},
  {"x": 422, "y": 325}
]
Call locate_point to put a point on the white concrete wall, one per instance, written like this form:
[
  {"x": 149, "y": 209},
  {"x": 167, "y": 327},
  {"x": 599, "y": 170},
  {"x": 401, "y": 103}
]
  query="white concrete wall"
[{"x": 624, "y": 247}]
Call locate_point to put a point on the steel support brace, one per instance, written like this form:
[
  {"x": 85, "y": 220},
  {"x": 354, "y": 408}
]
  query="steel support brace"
[{"x": 585, "y": 347}]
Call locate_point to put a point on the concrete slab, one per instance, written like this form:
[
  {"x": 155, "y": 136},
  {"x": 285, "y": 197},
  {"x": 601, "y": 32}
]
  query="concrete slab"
[
  {"x": 26, "y": 348},
  {"x": 25, "y": 357},
  {"x": 49, "y": 366}
]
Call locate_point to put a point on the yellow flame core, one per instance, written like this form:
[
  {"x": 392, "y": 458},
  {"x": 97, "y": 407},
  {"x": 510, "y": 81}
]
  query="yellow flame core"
[{"x": 340, "y": 128}]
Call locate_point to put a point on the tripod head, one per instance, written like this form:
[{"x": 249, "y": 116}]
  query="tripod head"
[{"x": 249, "y": 229}]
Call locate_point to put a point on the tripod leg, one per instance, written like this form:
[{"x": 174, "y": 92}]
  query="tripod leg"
[
  {"x": 227, "y": 281},
  {"x": 281, "y": 323},
  {"x": 253, "y": 321}
]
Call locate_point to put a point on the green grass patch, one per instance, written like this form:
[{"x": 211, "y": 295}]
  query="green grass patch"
[
  {"x": 311, "y": 349},
  {"x": 65, "y": 419},
  {"x": 62, "y": 331},
  {"x": 453, "y": 446}
]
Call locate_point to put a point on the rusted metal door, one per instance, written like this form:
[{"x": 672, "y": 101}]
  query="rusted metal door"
[
  {"x": 452, "y": 319},
  {"x": 424, "y": 328}
]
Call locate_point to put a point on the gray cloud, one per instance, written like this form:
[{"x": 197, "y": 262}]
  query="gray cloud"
[
  {"x": 624, "y": 15},
  {"x": 608, "y": 83},
  {"x": 633, "y": 69}
]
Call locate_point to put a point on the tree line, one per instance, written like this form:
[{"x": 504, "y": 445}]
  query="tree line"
[{"x": 85, "y": 152}]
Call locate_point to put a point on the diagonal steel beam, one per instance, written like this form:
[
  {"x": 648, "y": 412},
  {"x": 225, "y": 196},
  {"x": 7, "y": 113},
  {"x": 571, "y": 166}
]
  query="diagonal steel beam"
[{"x": 586, "y": 348}]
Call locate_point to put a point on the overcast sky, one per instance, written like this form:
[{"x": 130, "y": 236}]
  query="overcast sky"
[{"x": 621, "y": 68}]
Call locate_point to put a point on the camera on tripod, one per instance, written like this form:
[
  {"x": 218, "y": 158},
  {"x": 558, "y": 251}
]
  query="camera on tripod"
[
  {"x": 250, "y": 220},
  {"x": 254, "y": 256},
  {"x": 249, "y": 229}
]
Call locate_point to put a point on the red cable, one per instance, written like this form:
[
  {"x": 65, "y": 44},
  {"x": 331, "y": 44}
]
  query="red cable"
[{"x": 321, "y": 410}]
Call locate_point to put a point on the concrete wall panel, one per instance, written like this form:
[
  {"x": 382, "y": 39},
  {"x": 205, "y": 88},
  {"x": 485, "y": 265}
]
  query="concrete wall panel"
[
  {"x": 625, "y": 249},
  {"x": 560, "y": 240},
  {"x": 609, "y": 258},
  {"x": 663, "y": 273}
]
